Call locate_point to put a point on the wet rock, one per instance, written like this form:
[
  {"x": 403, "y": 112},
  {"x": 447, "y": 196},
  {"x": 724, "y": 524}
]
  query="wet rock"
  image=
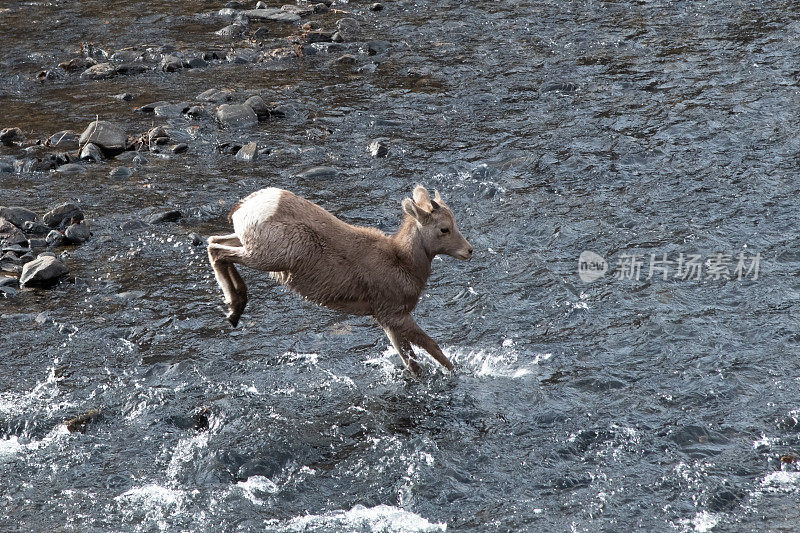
[
  {"x": 66, "y": 139},
  {"x": 167, "y": 216},
  {"x": 243, "y": 56},
  {"x": 195, "y": 239},
  {"x": 43, "y": 270},
  {"x": 171, "y": 63},
  {"x": 130, "y": 69},
  {"x": 377, "y": 6},
  {"x": 9, "y": 262},
  {"x": 248, "y": 152},
  {"x": 321, "y": 7},
  {"x": 171, "y": 110},
  {"x": 196, "y": 111},
  {"x": 299, "y": 10},
  {"x": 91, "y": 152},
  {"x": 77, "y": 233},
  {"x": 236, "y": 116},
  {"x": 151, "y": 107},
  {"x": 179, "y": 148},
  {"x": 6, "y": 166},
  {"x": 100, "y": 71},
  {"x": 348, "y": 28},
  {"x": 80, "y": 422},
  {"x": 125, "y": 97},
  {"x": 18, "y": 215},
  {"x": 317, "y": 36},
  {"x": 228, "y": 13},
  {"x": 216, "y": 96},
  {"x": 261, "y": 33},
  {"x": 55, "y": 238},
  {"x": 337, "y": 37},
  {"x": 108, "y": 136},
  {"x": 261, "y": 5},
  {"x": 377, "y": 47},
  {"x": 127, "y": 56},
  {"x": 139, "y": 160},
  {"x": 272, "y": 14},
  {"x": 234, "y": 5},
  {"x": 379, "y": 149},
  {"x": 77, "y": 63},
  {"x": 32, "y": 227},
  {"x": 229, "y": 148},
  {"x": 346, "y": 59},
  {"x": 11, "y": 136},
  {"x": 561, "y": 87},
  {"x": 318, "y": 173},
  {"x": 197, "y": 62},
  {"x": 120, "y": 173},
  {"x": 232, "y": 30},
  {"x": 11, "y": 234},
  {"x": 64, "y": 214},
  {"x": 132, "y": 225},
  {"x": 72, "y": 169},
  {"x": 259, "y": 107},
  {"x": 283, "y": 111},
  {"x": 158, "y": 135}
]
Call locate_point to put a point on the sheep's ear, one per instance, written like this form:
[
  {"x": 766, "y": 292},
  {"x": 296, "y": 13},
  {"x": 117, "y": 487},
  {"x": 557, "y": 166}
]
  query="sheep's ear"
[
  {"x": 422, "y": 198},
  {"x": 413, "y": 210},
  {"x": 437, "y": 197}
]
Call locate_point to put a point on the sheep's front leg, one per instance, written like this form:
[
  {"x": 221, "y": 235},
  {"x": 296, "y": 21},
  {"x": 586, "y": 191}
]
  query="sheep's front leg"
[
  {"x": 222, "y": 258},
  {"x": 409, "y": 331},
  {"x": 403, "y": 347}
]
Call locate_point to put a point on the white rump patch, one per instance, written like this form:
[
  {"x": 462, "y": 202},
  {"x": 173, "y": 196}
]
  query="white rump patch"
[{"x": 256, "y": 209}]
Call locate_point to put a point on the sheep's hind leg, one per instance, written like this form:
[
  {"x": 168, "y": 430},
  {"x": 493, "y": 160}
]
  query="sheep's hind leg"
[
  {"x": 403, "y": 347},
  {"x": 222, "y": 258}
]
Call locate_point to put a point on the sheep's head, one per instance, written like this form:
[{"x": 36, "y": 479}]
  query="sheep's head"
[{"x": 437, "y": 225}]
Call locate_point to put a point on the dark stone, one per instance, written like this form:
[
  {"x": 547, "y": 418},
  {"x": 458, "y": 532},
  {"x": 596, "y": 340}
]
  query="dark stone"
[
  {"x": 6, "y": 166},
  {"x": 229, "y": 148},
  {"x": 171, "y": 63},
  {"x": 318, "y": 173},
  {"x": 72, "y": 168},
  {"x": 11, "y": 234},
  {"x": 299, "y": 10},
  {"x": 284, "y": 110},
  {"x": 317, "y": 36},
  {"x": 126, "y": 56},
  {"x": 243, "y": 56},
  {"x": 109, "y": 137},
  {"x": 216, "y": 96},
  {"x": 321, "y": 8},
  {"x": 196, "y": 111},
  {"x": 129, "y": 69},
  {"x": 35, "y": 228},
  {"x": 9, "y": 262},
  {"x": 167, "y": 216},
  {"x": 377, "y": 6},
  {"x": 346, "y": 59},
  {"x": 139, "y": 160},
  {"x": 77, "y": 233},
  {"x": 272, "y": 14},
  {"x": 234, "y": 5},
  {"x": 62, "y": 215},
  {"x": 236, "y": 116},
  {"x": 349, "y": 28},
  {"x": 10, "y": 136},
  {"x": 151, "y": 108},
  {"x": 259, "y": 107},
  {"x": 337, "y": 37},
  {"x": 561, "y": 87},
  {"x": 7, "y": 281},
  {"x": 121, "y": 173},
  {"x": 18, "y": 215},
  {"x": 37, "y": 242},
  {"x": 179, "y": 148},
  {"x": 261, "y": 33},
  {"x": 195, "y": 239},
  {"x": 377, "y": 47},
  {"x": 197, "y": 62},
  {"x": 66, "y": 139},
  {"x": 77, "y": 63},
  {"x": 91, "y": 152},
  {"x": 55, "y": 238},
  {"x": 125, "y": 97},
  {"x": 158, "y": 135},
  {"x": 171, "y": 110},
  {"x": 379, "y": 149},
  {"x": 248, "y": 152},
  {"x": 43, "y": 270},
  {"x": 132, "y": 225},
  {"x": 80, "y": 422}
]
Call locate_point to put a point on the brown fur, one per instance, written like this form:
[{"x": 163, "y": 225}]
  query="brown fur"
[{"x": 344, "y": 267}]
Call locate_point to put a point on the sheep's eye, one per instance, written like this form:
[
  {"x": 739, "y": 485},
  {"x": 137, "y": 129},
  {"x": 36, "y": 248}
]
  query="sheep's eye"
[{"x": 445, "y": 230}]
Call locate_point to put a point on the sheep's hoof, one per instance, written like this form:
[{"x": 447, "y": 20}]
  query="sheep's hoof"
[
  {"x": 233, "y": 318},
  {"x": 414, "y": 368}
]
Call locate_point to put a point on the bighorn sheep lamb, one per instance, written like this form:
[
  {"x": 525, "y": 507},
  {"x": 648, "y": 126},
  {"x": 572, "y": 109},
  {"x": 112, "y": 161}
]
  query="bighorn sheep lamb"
[{"x": 349, "y": 268}]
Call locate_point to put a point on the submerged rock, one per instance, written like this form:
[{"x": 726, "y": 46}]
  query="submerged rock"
[
  {"x": 91, "y": 152},
  {"x": 236, "y": 116},
  {"x": 101, "y": 71},
  {"x": 72, "y": 168},
  {"x": 66, "y": 139},
  {"x": 216, "y": 96},
  {"x": 120, "y": 173},
  {"x": 109, "y": 137},
  {"x": 167, "y": 216},
  {"x": 10, "y": 136},
  {"x": 77, "y": 233},
  {"x": 80, "y": 422},
  {"x": 171, "y": 63},
  {"x": 55, "y": 238},
  {"x": 272, "y": 14},
  {"x": 259, "y": 107},
  {"x": 379, "y": 149},
  {"x": 248, "y": 152},
  {"x": 318, "y": 173},
  {"x": 44, "y": 270}
]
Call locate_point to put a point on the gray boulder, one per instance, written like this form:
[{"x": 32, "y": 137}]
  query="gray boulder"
[
  {"x": 77, "y": 233},
  {"x": 11, "y": 234},
  {"x": 64, "y": 214},
  {"x": 43, "y": 270},
  {"x": 236, "y": 116},
  {"x": 18, "y": 215},
  {"x": 109, "y": 137}
]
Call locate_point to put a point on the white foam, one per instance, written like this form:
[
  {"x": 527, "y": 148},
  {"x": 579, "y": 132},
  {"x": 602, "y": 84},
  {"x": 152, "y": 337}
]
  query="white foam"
[
  {"x": 702, "y": 522},
  {"x": 255, "y": 485},
  {"x": 152, "y": 496},
  {"x": 781, "y": 481},
  {"x": 383, "y": 518}
]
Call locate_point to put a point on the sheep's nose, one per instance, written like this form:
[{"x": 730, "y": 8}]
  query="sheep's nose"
[{"x": 469, "y": 251}]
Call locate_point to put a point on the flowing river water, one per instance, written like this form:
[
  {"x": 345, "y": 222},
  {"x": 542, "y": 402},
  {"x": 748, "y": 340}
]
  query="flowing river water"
[{"x": 660, "y": 135}]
